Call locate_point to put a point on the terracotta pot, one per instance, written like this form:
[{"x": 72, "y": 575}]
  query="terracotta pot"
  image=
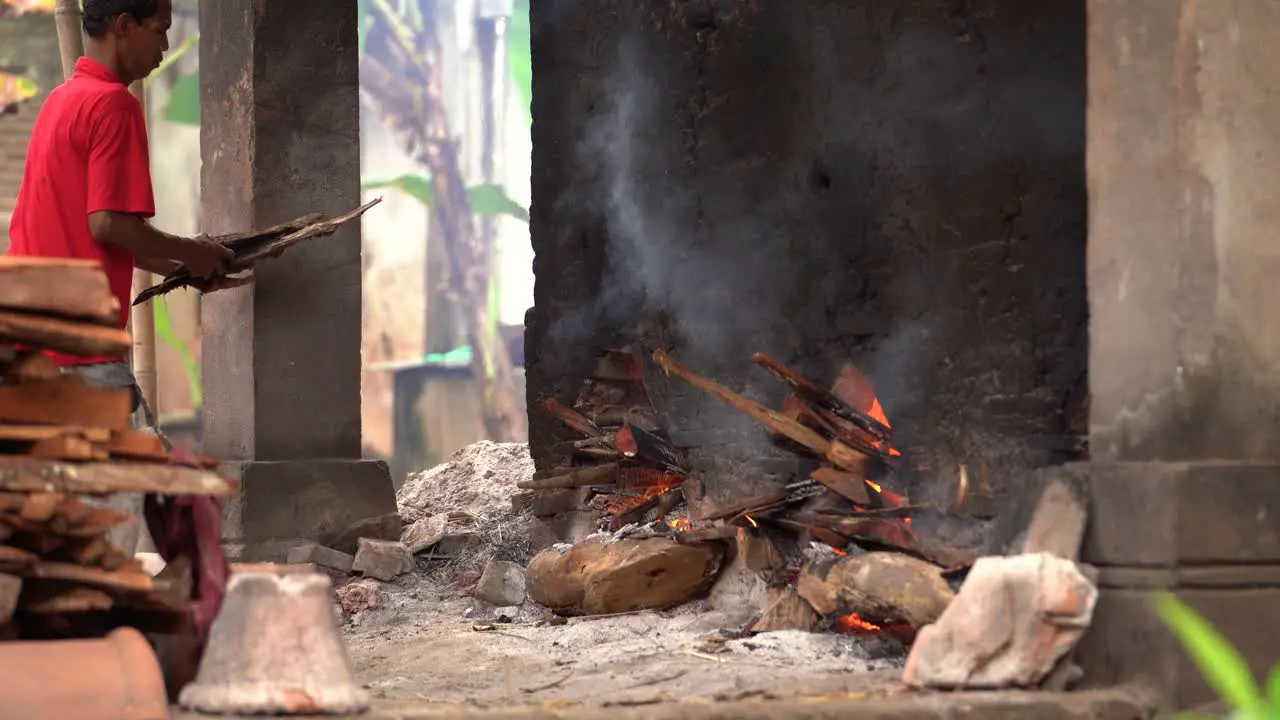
[{"x": 113, "y": 678}]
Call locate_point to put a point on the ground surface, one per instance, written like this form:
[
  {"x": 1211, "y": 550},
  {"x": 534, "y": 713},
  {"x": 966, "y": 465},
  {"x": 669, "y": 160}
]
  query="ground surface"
[{"x": 427, "y": 644}]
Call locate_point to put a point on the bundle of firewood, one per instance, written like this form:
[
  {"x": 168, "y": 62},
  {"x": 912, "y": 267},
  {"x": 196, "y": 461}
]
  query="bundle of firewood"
[
  {"x": 62, "y": 441},
  {"x": 250, "y": 247}
]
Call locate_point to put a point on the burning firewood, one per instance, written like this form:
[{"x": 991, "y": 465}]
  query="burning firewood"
[
  {"x": 834, "y": 451},
  {"x": 251, "y": 247}
]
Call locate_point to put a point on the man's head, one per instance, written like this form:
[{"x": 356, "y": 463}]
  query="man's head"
[{"x": 133, "y": 33}]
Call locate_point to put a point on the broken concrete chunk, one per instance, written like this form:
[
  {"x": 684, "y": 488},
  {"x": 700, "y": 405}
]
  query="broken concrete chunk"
[
  {"x": 321, "y": 556},
  {"x": 881, "y": 586},
  {"x": 425, "y": 533},
  {"x": 1048, "y": 515},
  {"x": 382, "y": 559},
  {"x": 359, "y": 596},
  {"x": 1013, "y": 620},
  {"x": 381, "y": 527},
  {"x": 501, "y": 583}
]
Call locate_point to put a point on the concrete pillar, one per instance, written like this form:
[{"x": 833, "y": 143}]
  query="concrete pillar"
[
  {"x": 1184, "y": 288},
  {"x": 281, "y": 359}
]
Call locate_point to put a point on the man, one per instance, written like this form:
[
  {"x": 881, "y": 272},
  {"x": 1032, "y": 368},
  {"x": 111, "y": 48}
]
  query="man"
[{"x": 86, "y": 189}]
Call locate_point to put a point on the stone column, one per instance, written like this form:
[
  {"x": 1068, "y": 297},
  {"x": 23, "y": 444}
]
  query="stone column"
[
  {"x": 281, "y": 359},
  {"x": 1184, "y": 288}
]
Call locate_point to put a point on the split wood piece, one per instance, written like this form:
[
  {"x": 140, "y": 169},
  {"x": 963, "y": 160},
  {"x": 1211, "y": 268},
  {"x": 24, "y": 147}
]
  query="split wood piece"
[
  {"x": 760, "y": 555},
  {"x": 40, "y": 507},
  {"x": 252, "y": 247},
  {"x": 835, "y": 452},
  {"x": 30, "y": 366},
  {"x": 74, "y": 338},
  {"x": 788, "y": 612},
  {"x": 71, "y": 288},
  {"x": 634, "y": 442},
  {"x": 748, "y": 506},
  {"x": 570, "y": 417},
  {"x": 606, "y": 474},
  {"x": 14, "y": 559},
  {"x": 142, "y": 445},
  {"x": 44, "y": 597},
  {"x": 823, "y": 398},
  {"x": 35, "y": 433},
  {"x": 67, "y": 447},
  {"x": 99, "y": 521},
  {"x": 129, "y": 578},
  {"x": 65, "y": 400},
  {"x": 27, "y": 475},
  {"x": 845, "y": 484}
]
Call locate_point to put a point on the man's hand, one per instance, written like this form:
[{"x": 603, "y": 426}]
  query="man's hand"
[
  {"x": 221, "y": 282},
  {"x": 204, "y": 258}
]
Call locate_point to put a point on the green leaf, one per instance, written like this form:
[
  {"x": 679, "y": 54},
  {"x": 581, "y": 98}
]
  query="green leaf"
[
  {"x": 363, "y": 20},
  {"x": 1273, "y": 691},
  {"x": 166, "y": 334},
  {"x": 1222, "y": 666},
  {"x": 493, "y": 200},
  {"x": 184, "y": 101},
  {"x": 484, "y": 199},
  {"x": 519, "y": 55},
  {"x": 418, "y": 186}
]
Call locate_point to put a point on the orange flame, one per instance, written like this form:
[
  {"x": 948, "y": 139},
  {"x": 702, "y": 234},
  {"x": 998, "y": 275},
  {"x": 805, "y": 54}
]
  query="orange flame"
[
  {"x": 680, "y": 524},
  {"x": 853, "y": 623}
]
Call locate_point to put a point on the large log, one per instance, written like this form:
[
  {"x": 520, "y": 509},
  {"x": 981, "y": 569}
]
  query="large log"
[
  {"x": 599, "y": 578},
  {"x": 883, "y": 586}
]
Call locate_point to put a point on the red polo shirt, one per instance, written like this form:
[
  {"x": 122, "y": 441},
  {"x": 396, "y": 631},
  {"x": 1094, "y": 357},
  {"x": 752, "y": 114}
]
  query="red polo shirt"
[{"x": 88, "y": 152}]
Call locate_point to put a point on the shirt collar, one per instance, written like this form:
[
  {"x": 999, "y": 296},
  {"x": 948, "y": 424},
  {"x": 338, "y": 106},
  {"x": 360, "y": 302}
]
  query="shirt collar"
[{"x": 86, "y": 67}]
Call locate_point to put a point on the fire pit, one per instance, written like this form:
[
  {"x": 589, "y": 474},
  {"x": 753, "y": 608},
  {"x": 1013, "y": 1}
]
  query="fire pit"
[{"x": 836, "y": 546}]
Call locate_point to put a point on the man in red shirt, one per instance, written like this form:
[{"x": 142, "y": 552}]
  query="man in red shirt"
[{"x": 86, "y": 189}]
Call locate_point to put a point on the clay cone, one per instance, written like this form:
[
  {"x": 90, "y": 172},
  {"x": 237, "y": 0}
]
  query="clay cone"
[{"x": 274, "y": 649}]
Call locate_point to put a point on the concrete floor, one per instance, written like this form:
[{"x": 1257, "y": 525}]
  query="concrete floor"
[{"x": 1113, "y": 704}]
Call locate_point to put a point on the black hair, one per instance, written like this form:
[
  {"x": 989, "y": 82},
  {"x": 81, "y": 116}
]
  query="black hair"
[{"x": 99, "y": 14}]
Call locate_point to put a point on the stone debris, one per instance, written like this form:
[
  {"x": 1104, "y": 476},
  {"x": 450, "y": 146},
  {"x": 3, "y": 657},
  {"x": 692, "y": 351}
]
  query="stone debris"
[
  {"x": 502, "y": 583},
  {"x": 321, "y": 556},
  {"x": 479, "y": 479},
  {"x": 1010, "y": 624},
  {"x": 425, "y": 532},
  {"x": 382, "y": 559},
  {"x": 359, "y": 596},
  {"x": 381, "y": 527}
]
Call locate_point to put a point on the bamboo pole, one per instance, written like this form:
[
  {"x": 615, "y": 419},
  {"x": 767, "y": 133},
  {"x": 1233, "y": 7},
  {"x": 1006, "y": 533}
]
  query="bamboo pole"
[
  {"x": 142, "y": 317},
  {"x": 67, "y": 18}
]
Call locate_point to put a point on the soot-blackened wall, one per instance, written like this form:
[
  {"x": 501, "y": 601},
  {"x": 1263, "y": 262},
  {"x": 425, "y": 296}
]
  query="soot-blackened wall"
[{"x": 897, "y": 184}]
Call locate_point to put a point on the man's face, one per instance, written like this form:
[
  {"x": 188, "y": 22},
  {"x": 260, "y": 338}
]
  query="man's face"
[{"x": 142, "y": 44}]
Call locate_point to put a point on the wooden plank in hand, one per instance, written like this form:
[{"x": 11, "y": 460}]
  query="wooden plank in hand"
[{"x": 73, "y": 288}]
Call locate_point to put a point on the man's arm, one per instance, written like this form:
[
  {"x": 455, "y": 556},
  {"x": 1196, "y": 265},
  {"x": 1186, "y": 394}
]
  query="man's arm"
[{"x": 120, "y": 194}]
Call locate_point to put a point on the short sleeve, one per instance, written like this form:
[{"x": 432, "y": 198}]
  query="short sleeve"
[{"x": 119, "y": 163}]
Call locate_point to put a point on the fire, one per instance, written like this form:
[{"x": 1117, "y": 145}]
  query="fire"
[
  {"x": 853, "y": 623},
  {"x": 751, "y": 520},
  {"x": 680, "y": 524}
]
